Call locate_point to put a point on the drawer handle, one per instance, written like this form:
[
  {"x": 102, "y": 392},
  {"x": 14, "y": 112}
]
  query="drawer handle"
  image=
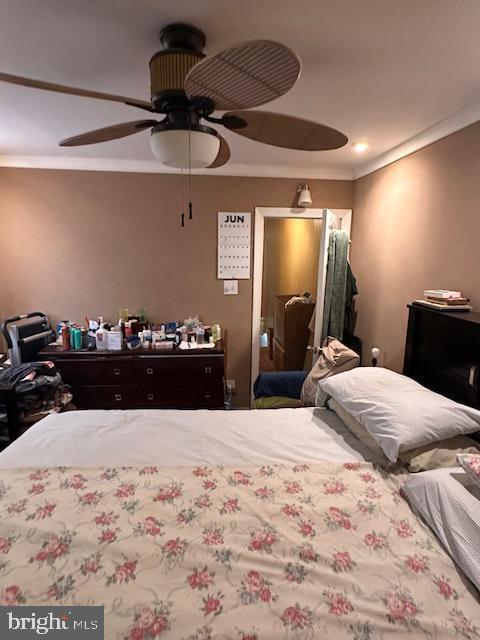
[
  {"x": 149, "y": 371},
  {"x": 473, "y": 376},
  {"x": 208, "y": 395},
  {"x": 118, "y": 397},
  {"x": 208, "y": 369},
  {"x": 116, "y": 372},
  {"x": 150, "y": 396}
]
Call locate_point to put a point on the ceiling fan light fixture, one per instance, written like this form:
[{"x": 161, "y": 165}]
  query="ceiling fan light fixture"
[{"x": 181, "y": 148}]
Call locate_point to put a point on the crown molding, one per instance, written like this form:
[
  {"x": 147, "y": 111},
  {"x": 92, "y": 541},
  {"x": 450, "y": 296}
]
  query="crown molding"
[
  {"x": 440, "y": 130},
  {"x": 151, "y": 166}
]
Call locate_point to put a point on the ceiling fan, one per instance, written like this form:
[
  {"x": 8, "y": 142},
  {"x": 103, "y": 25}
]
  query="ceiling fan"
[{"x": 187, "y": 88}]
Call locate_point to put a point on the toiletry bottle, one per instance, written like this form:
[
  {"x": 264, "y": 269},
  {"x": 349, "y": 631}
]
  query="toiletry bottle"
[
  {"x": 101, "y": 338},
  {"x": 76, "y": 336},
  {"x": 65, "y": 337},
  {"x": 200, "y": 334}
]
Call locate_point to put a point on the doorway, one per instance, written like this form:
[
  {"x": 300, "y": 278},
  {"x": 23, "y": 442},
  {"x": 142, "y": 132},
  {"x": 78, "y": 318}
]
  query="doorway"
[
  {"x": 291, "y": 251},
  {"x": 289, "y": 272}
]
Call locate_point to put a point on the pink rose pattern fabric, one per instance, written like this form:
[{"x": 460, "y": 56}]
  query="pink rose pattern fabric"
[
  {"x": 471, "y": 464},
  {"x": 257, "y": 553}
]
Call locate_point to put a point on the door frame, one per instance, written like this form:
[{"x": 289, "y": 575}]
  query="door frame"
[{"x": 332, "y": 219}]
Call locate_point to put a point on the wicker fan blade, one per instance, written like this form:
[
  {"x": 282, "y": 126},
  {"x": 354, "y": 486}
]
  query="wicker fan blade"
[
  {"x": 244, "y": 76},
  {"x": 223, "y": 155},
  {"x": 108, "y": 133},
  {"x": 60, "y": 88},
  {"x": 284, "y": 131}
]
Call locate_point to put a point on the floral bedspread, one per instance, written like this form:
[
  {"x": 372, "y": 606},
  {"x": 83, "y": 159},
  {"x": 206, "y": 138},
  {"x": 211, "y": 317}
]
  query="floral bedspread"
[{"x": 305, "y": 551}]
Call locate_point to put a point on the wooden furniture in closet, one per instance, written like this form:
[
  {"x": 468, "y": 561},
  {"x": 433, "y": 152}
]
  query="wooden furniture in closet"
[{"x": 291, "y": 333}]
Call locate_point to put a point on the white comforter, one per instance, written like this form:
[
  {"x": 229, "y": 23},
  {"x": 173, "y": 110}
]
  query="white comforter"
[{"x": 177, "y": 438}]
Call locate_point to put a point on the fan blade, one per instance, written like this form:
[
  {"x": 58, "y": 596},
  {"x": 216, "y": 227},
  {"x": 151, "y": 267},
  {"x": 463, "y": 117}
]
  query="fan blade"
[
  {"x": 284, "y": 131},
  {"x": 60, "y": 88},
  {"x": 108, "y": 133},
  {"x": 223, "y": 155},
  {"x": 244, "y": 76}
]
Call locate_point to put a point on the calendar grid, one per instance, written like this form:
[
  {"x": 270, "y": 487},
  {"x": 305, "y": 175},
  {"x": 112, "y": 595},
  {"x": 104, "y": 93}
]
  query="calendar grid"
[{"x": 234, "y": 232}]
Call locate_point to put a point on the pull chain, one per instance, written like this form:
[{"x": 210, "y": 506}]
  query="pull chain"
[
  {"x": 182, "y": 215},
  {"x": 190, "y": 209}
]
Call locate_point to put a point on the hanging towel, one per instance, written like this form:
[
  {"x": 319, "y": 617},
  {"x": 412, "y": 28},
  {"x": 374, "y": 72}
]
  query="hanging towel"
[
  {"x": 350, "y": 312},
  {"x": 336, "y": 285}
]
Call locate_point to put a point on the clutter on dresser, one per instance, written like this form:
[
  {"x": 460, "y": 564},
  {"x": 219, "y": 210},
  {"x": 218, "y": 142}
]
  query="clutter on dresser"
[
  {"x": 136, "y": 332},
  {"x": 445, "y": 300}
]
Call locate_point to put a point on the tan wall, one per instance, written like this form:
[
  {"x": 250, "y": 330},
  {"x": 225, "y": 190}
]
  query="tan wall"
[
  {"x": 416, "y": 225},
  {"x": 76, "y": 243},
  {"x": 290, "y": 259}
]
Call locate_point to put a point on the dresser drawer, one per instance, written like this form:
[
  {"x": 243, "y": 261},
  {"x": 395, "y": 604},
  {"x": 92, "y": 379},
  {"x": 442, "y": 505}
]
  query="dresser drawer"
[
  {"x": 106, "y": 397},
  {"x": 181, "y": 397},
  {"x": 175, "y": 366},
  {"x": 96, "y": 370}
]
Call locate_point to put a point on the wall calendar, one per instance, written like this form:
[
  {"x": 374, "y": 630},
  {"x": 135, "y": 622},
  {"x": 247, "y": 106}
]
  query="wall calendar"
[{"x": 234, "y": 230}]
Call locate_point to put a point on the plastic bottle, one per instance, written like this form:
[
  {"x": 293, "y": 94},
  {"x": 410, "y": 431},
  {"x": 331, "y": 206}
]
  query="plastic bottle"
[
  {"x": 216, "y": 332},
  {"x": 200, "y": 334},
  {"x": 101, "y": 338},
  {"x": 77, "y": 338},
  {"x": 65, "y": 337}
]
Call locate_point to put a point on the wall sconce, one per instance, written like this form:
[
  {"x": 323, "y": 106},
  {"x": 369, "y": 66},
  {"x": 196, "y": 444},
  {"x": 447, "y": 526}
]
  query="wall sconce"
[{"x": 305, "y": 198}]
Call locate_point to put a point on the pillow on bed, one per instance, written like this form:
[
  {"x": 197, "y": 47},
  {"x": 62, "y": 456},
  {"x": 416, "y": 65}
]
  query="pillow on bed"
[
  {"x": 334, "y": 357},
  {"x": 438, "y": 455},
  {"x": 471, "y": 464},
  {"x": 398, "y": 412},
  {"x": 435, "y": 455},
  {"x": 355, "y": 427},
  {"x": 449, "y": 504}
]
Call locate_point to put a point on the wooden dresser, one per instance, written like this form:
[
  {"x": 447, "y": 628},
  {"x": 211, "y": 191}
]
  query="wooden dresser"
[
  {"x": 142, "y": 379},
  {"x": 442, "y": 352}
]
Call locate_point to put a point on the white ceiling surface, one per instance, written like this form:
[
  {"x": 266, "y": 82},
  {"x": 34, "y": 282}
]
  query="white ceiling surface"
[{"x": 384, "y": 70}]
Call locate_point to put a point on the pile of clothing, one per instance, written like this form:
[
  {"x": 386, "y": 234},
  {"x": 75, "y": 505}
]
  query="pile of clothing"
[{"x": 38, "y": 388}]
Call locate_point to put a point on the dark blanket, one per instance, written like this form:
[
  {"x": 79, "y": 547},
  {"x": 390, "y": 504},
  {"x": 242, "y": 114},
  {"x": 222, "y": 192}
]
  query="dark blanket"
[
  {"x": 279, "y": 383},
  {"x": 10, "y": 377}
]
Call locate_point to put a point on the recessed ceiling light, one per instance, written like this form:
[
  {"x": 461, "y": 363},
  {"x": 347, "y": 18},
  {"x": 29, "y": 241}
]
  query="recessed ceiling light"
[{"x": 360, "y": 146}]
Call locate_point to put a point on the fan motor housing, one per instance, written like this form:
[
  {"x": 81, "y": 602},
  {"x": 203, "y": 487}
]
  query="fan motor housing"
[
  {"x": 168, "y": 70},
  {"x": 182, "y": 49}
]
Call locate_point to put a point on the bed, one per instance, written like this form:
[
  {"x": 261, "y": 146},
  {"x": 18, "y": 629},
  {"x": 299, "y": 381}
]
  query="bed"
[
  {"x": 181, "y": 438},
  {"x": 241, "y": 524}
]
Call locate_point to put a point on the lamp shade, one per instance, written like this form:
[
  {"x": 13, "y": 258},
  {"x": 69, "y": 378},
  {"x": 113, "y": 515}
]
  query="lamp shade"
[
  {"x": 305, "y": 198},
  {"x": 172, "y": 146}
]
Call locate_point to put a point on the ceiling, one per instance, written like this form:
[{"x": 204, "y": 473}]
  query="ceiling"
[{"x": 382, "y": 70}]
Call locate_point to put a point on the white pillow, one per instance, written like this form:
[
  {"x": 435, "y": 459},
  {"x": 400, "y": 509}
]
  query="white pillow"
[
  {"x": 471, "y": 464},
  {"x": 398, "y": 412},
  {"x": 451, "y": 507}
]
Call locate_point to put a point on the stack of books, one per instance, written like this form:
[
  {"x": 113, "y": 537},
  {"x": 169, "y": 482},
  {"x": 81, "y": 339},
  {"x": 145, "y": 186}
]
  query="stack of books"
[{"x": 445, "y": 300}]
